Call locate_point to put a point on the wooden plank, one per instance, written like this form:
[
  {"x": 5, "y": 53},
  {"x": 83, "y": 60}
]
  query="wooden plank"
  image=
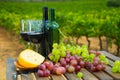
[
  {"x": 34, "y": 77},
  {"x": 110, "y": 62},
  {"x": 110, "y": 56},
  {"x": 116, "y": 76},
  {"x": 19, "y": 77},
  {"x": 72, "y": 76},
  {"x": 10, "y": 69},
  {"x": 58, "y": 77},
  {"x": 42, "y": 78},
  {"x": 27, "y": 76},
  {"x": 102, "y": 75},
  {"x": 87, "y": 75}
]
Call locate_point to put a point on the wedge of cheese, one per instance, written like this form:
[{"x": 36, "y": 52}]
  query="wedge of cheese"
[{"x": 30, "y": 59}]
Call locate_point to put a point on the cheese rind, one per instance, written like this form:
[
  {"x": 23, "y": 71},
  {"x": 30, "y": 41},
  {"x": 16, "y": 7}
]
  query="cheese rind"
[{"x": 30, "y": 59}]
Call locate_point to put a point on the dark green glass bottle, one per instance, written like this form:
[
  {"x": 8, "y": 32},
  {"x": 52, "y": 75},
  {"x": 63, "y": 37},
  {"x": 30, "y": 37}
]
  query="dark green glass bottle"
[
  {"x": 44, "y": 47},
  {"x": 53, "y": 32}
]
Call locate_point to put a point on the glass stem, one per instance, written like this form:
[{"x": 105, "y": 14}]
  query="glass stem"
[
  {"x": 28, "y": 44},
  {"x": 36, "y": 47}
]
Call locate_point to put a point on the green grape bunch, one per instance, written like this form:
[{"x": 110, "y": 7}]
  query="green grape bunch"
[{"x": 116, "y": 67}]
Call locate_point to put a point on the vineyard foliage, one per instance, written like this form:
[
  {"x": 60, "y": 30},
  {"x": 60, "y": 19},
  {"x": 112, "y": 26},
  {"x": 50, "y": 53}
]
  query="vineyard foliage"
[{"x": 91, "y": 18}]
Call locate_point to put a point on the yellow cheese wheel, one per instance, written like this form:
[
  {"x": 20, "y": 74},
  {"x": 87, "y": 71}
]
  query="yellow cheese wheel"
[{"x": 30, "y": 59}]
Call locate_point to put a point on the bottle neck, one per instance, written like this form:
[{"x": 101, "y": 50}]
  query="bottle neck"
[
  {"x": 52, "y": 14},
  {"x": 45, "y": 13}
]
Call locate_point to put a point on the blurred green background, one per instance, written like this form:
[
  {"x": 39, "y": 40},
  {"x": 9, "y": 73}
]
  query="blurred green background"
[{"x": 89, "y": 18}]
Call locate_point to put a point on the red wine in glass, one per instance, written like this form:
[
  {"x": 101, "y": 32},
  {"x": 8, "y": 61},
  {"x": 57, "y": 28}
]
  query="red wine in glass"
[
  {"x": 25, "y": 36},
  {"x": 35, "y": 37}
]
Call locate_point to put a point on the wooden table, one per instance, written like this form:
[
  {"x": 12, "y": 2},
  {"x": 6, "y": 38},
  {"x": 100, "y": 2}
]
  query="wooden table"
[{"x": 87, "y": 75}]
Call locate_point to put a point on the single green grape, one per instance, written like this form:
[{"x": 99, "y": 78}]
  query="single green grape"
[
  {"x": 73, "y": 52},
  {"x": 55, "y": 45},
  {"x": 51, "y": 57},
  {"x": 54, "y": 59},
  {"x": 68, "y": 46},
  {"x": 84, "y": 55},
  {"x": 63, "y": 48},
  {"x": 92, "y": 56},
  {"x": 79, "y": 74},
  {"x": 117, "y": 63},
  {"x": 57, "y": 57},
  {"x": 106, "y": 61},
  {"x": 55, "y": 51},
  {"x": 102, "y": 57},
  {"x": 115, "y": 69},
  {"x": 63, "y": 54},
  {"x": 84, "y": 51},
  {"x": 78, "y": 52}
]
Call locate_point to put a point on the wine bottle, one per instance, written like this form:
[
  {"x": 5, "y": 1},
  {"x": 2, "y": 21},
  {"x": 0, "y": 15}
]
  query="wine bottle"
[
  {"x": 44, "y": 46},
  {"x": 53, "y": 32}
]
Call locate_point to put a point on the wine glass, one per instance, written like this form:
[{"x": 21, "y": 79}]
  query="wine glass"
[
  {"x": 36, "y": 33},
  {"x": 25, "y": 29}
]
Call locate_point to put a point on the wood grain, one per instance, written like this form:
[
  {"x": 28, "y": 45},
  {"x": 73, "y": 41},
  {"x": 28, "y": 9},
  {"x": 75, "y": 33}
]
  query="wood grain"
[
  {"x": 72, "y": 76},
  {"x": 10, "y": 69},
  {"x": 87, "y": 75},
  {"x": 116, "y": 76}
]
